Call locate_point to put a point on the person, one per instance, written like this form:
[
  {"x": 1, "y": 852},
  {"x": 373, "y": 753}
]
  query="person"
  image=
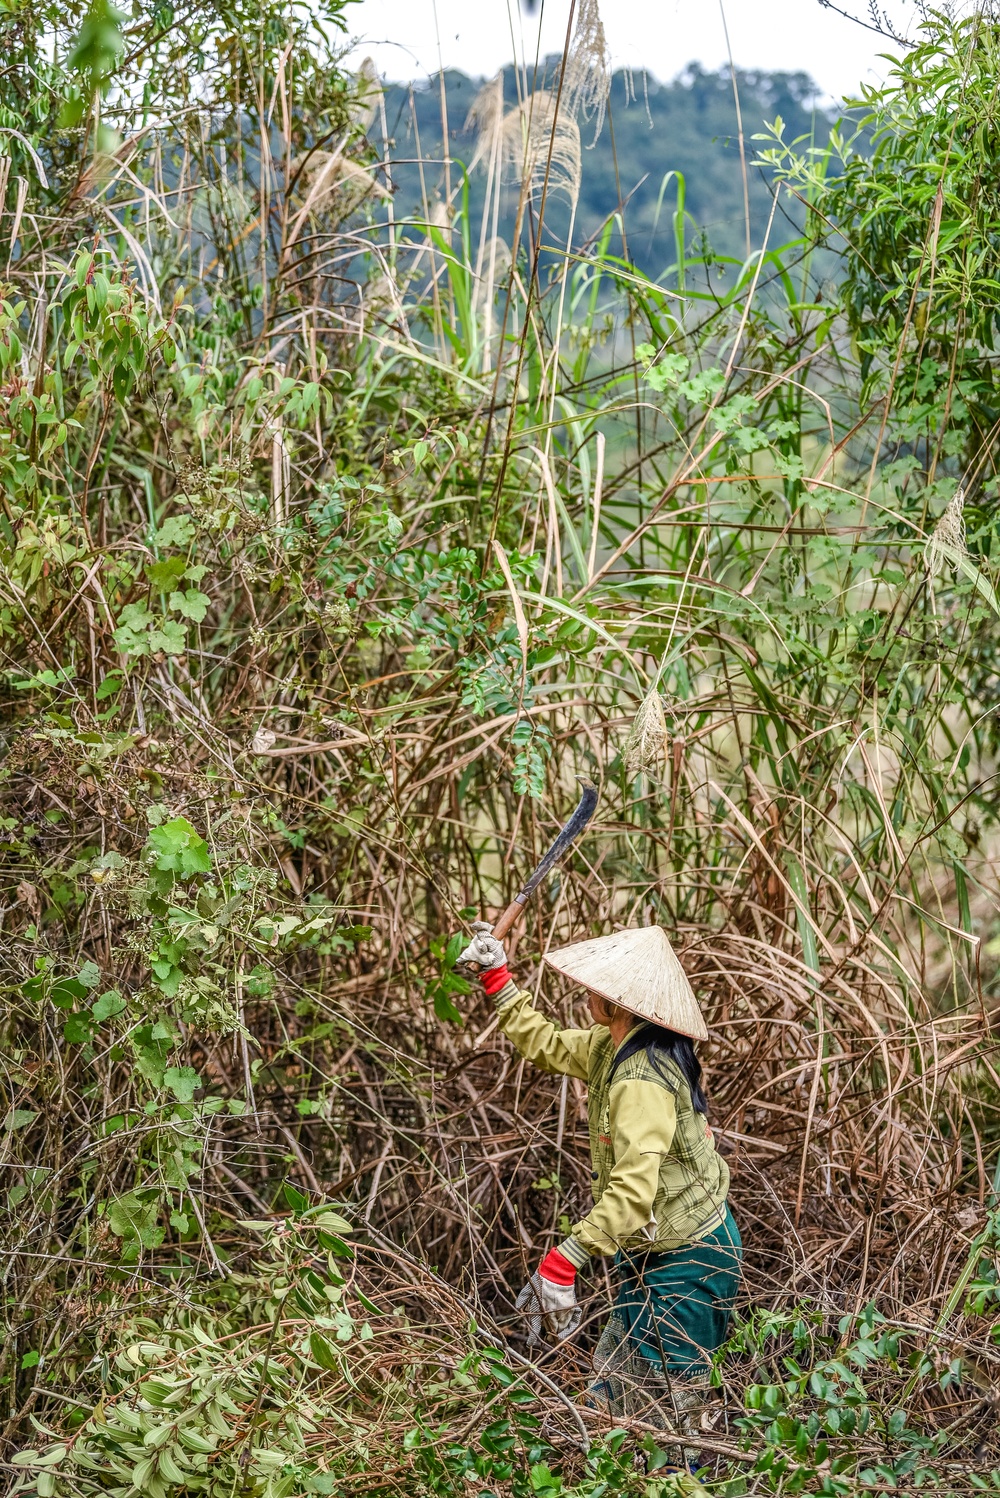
[{"x": 660, "y": 1186}]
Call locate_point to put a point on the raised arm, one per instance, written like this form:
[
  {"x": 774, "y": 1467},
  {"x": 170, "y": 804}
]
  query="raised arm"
[{"x": 538, "y": 1039}]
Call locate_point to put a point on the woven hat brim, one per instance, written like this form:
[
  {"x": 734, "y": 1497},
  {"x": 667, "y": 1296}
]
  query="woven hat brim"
[{"x": 693, "y": 1032}]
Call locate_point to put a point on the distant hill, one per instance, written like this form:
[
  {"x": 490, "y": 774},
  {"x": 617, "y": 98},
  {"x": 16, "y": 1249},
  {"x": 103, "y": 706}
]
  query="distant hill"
[{"x": 687, "y": 126}]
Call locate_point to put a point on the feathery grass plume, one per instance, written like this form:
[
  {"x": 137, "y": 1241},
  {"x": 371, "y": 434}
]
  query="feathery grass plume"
[
  {"x": 485, "y": 117},
  {"x": 329, "y": 179},
  {"x": 587, "y": 79},
  {"x": 529, "y": 137},
  {"x": 647, "y": 740},
  {"x": 947, "y": 542},
  {"x": 368, "y": 91}
]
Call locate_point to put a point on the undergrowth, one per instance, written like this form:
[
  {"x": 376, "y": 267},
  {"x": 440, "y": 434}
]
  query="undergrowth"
[{"x": 336, "y": 541}]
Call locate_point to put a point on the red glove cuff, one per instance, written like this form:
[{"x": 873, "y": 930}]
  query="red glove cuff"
[
  {"x": 495, "y": 978},
  {"x": 556, "y": 1268}
]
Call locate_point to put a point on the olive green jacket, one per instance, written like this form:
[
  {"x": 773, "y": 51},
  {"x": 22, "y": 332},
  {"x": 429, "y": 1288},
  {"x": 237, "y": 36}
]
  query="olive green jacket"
[{"x": 659, "y": 1182}]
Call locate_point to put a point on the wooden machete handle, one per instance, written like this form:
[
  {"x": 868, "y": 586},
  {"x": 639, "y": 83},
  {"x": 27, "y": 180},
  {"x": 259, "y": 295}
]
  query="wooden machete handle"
[
  {"x": 500, "y": 929},
  {"x": 506, "y": 921}
]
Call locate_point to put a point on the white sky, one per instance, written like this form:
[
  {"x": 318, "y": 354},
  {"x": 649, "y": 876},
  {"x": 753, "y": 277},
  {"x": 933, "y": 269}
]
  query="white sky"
[{"x": 410, "y": 38}]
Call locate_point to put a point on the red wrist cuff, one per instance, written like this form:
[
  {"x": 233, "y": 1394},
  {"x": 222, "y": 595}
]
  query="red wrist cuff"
[
  {"x": 556, "y": 1268},
  {"x": 495, "y": 978}
]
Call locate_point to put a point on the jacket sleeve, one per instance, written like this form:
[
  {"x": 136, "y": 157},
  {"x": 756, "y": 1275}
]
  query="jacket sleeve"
[
  {"x": 539, "y": 1040},
  {"x": 643, "y": 1122}
]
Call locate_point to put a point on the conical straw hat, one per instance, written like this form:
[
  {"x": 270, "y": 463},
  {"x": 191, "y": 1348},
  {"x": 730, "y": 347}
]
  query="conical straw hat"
[{"x": 639, "y": 970}]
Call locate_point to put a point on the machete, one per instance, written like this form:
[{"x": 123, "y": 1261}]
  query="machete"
[{"x": 567, "y": 837}]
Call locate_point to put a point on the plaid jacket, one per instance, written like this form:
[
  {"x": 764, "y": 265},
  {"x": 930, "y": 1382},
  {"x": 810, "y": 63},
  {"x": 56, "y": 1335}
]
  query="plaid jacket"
[{"x": 659, "y": 1182}]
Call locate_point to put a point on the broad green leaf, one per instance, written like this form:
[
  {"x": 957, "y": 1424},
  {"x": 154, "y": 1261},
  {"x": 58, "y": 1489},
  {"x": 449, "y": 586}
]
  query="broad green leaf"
[
  {"x": 134, "y": 1219},
  {"x": 176, "y": 530},
  {"x": 183, "y": 1082},
  {"x": 108, "y": 1005},
  {"x": 179, "y": 849},
  {"x": 192, "y": 604},
  {"x": 76, "y": 1030},
  {"x": 322, "y": 1352},
  {"x": 51, "y": 1457},
  {"x": 163, "y": 576},
  {"x": 331, "y": 1221}
]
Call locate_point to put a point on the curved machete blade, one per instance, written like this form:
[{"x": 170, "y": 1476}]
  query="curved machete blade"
[{"x": 569, "y": 834}]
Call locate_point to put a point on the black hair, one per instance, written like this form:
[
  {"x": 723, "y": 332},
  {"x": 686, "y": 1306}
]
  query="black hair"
[{"x": 659, "y": 1042}]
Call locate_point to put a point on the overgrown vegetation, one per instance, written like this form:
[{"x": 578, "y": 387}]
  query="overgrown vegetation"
[
  {"x": 662, "y": 146},
  {"x": 335, "y": 544}
]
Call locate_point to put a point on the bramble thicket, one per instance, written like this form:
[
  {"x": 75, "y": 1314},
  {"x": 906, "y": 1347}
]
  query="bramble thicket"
[{"x": 339, "y": 535}]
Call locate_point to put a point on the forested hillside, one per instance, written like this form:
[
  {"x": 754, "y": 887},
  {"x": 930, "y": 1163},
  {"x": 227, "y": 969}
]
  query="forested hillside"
[
  {"x": 661, "y": 145},
  {"x": 342, "y": 531}
]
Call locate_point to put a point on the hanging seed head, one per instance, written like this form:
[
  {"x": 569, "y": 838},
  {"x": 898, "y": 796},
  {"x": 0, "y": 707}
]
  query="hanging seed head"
[
  {"x": 485, "y": 117},
  {"x": 587, "y": 80},
  {"x": 367, "y": 93},
  {"x": 647, "y": 740},
  {"x": 948, "y": 536},
  {"x": 534, "y": 148}
]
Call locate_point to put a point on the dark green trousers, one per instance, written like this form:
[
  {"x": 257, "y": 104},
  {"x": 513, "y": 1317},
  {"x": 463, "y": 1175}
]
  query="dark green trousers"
[{"x": 674, "y": 1308}]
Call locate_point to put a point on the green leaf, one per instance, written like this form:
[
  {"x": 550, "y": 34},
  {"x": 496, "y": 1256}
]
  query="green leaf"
[
  {"x": 108, "y": 1005},
  {"x": 331, "y": 1221},
  {"x": 19, "y": 1118},
  {"x": 164, "y": 575},
  {"x": 192, "y": 604},
  {"x": 134, "y": 1220},
  {"x": 100, "y": 43},
  {"x": 393, "y": 524},
  {"x": 76, "y": 1030},
  {"x": 70, "y": 111},
  {"x": 176, "y": 530},
  {"x": 455, "y": 945},
  {"x": 322, "y": 1352},
  {"x": 169, "y": 637},
  {"x": 89, "y": 975},
  {"x": 48, "y": 1458},
  {"x": 444, "y": 1009},
  {"x": 30, "y": 1359},
  {"x": 151, "y": 1051},
  {"x": 179, "y": 850},
  {"x": 807, "y": 930},
  {"x": 67, "y": 992},
  {"x": 183, "y": 1081},
  {"x": 295, "y": 1199},
  {"x": 132, "y": 633}
]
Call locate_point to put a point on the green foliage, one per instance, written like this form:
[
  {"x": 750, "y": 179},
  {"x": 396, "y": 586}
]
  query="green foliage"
[
  {"x": 676, "y": 150},
  {"x": 911, "y": 194},
  {"x": 178, "y": 851},
  {"x": 99, "y": 45},
  {"x": 278, "y": 722}
]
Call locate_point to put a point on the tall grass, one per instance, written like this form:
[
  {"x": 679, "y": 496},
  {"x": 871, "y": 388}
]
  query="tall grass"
[{"x": 278, "y": 724}]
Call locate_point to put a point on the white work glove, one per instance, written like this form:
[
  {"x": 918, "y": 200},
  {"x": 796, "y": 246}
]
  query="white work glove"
[
  {"x": 484, "y": 948},
  {"x": 554, "y": 1304}
]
